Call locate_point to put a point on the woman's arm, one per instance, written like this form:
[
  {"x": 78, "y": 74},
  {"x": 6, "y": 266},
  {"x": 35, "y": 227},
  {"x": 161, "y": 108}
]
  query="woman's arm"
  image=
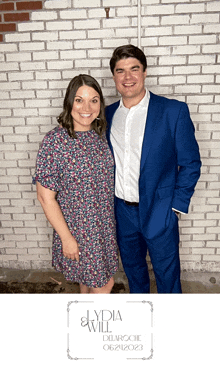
[{"x": 52, "y": 210}]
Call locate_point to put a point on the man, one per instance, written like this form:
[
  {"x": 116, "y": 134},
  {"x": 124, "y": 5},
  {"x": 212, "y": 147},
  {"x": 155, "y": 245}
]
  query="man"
[{"x": 157, "y": 167}]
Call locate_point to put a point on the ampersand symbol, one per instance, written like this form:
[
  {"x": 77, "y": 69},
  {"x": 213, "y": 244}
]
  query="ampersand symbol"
[{"x": 84, "y": 321}]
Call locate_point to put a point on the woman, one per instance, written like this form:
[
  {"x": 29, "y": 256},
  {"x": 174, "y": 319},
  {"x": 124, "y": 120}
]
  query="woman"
[{"x": 74, "y": 178}]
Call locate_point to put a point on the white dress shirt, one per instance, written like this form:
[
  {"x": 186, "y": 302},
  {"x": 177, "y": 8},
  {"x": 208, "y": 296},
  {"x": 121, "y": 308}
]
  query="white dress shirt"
[{"x": 127, "y": 135}]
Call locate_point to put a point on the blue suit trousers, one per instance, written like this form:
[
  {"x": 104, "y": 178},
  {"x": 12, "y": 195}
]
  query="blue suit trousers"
[{"x": 133, "y": 246}]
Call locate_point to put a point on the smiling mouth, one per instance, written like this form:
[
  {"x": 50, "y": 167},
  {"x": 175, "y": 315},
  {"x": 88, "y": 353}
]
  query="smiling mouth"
[
  {"x": 85, "y": 115},
  {"x": 127, "y": 85}
]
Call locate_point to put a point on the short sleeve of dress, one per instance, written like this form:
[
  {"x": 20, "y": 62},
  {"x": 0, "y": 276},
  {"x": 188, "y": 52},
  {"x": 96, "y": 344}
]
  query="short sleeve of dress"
[{"x": 48, "y": 169}]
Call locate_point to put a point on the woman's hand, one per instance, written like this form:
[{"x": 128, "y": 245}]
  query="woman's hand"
[{"x": 71, "y": 248}]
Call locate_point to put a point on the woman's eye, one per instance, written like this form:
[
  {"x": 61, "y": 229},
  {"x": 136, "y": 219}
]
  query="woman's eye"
[
  {"x": 95, "y": 100},
  {"x": 78, "y": 100}
]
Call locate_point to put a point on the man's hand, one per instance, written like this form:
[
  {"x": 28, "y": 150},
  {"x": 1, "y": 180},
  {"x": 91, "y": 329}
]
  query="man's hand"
[{"x": 177, "y": 213}]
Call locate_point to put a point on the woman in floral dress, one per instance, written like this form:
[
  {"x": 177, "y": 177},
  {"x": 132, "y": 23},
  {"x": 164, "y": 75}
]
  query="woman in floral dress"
[{"x": 75, "y": 186}]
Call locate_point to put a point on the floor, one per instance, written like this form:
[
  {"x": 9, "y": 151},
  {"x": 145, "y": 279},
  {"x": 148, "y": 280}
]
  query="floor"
[{"x": 50, "y": 281}]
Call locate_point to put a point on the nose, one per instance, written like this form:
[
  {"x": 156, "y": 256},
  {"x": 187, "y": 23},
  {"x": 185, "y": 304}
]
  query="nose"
[
  {"x": 127, "y": 74},
  {"x": 86, "y": 106}
]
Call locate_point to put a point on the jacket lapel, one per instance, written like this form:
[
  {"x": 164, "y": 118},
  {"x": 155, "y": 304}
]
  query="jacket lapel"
[
  {"x": 153, "y": 116},
  {"x": 109, "y": 111}
]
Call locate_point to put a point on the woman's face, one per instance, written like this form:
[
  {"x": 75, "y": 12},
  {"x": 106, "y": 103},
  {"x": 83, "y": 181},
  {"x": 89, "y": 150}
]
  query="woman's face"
[{"x": 86, "y": 108}]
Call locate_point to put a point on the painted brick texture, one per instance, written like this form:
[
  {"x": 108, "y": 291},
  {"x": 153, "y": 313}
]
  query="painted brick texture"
[
  {"x": 13, "y": 12},
  {"x": 43, "y": 44}
]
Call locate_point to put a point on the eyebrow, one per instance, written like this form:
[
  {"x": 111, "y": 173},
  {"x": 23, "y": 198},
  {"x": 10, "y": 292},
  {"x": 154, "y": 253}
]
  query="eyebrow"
[
  {"x": 133, "y": 67},
  {"x": 77, "y": 96}
]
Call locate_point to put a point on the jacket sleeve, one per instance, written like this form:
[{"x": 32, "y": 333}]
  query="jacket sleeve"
[{"x": 188, "y": 159}]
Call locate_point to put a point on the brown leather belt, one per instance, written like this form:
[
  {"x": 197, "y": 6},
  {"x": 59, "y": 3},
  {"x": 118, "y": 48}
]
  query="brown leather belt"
[{"x": 130, "y": 203}]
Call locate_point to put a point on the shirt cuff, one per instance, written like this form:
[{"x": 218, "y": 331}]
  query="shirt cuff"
[{"x": 178, "y": 211}]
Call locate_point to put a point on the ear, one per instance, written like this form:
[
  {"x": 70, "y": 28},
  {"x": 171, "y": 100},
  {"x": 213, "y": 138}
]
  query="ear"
[{"x": 145, "y": 73}]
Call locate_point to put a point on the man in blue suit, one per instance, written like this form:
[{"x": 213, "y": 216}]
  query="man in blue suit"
[{"x": 157, "y": 167}]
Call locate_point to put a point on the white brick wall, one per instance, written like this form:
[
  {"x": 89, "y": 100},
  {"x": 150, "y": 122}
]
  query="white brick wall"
[{"x": 181, "y": 41}]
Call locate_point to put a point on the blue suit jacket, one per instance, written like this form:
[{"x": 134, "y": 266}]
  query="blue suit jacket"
[{"x": 170, "y": 162}]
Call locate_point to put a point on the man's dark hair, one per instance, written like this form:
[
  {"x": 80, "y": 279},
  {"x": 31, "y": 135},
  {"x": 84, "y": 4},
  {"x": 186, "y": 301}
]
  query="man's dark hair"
[{"x": 126, "y": 51}]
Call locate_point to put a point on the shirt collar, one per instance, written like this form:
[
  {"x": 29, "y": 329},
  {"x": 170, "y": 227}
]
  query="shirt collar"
[{"x": 144, "y": 102}]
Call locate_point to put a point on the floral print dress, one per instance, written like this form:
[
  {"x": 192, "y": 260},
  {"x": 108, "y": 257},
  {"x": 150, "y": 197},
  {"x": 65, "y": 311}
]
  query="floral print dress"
[{"x": 81, "y": 171}]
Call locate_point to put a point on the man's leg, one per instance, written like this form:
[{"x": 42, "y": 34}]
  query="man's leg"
[
  {"x": 132, "y": 246},
  {"x": 164, "y": 254}
]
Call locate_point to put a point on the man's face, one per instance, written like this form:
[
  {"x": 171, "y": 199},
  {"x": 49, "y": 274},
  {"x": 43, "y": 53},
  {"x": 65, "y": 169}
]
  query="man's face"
[{"x": 129, "y": 79}]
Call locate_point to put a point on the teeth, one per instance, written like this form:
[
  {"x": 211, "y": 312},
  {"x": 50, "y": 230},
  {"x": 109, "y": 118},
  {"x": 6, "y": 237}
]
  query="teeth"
[
  {"x": 128, "y": 85},
  {"x": 85, "y": 115}
]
